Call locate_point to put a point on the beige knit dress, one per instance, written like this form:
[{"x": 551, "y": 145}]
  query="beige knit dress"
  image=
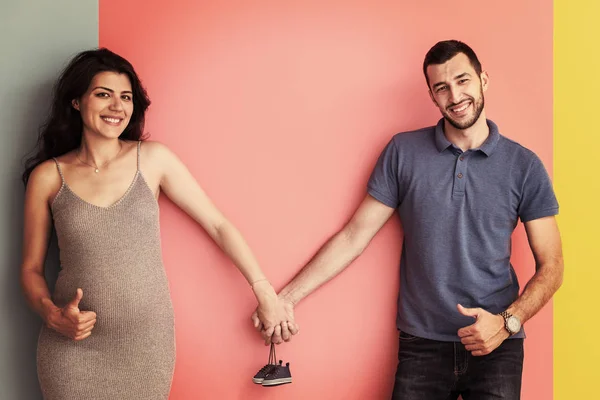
[{"x": 114, "y": 254}]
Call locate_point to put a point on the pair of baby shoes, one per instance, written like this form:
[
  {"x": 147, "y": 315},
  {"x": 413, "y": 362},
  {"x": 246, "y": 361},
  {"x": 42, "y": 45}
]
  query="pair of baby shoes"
[{"x": 273, "y": 373}]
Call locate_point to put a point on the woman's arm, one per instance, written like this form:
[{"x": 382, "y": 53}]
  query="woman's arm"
[
  {"x": 69, "y": 321},
  {"x": 181, "y": 187}
]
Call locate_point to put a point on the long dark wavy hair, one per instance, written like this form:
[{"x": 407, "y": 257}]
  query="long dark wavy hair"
[{"x": 63, "y": 128}]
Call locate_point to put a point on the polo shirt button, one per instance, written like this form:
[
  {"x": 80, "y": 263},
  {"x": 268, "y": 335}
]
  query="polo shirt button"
[
  {"x": 459, "y": 176},
  {"x": 462, "y": 159}
]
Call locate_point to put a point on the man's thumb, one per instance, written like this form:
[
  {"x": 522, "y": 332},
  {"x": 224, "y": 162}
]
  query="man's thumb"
[
  {"x": 469, "y": 312},
  {"x": 75, "y": 302}
]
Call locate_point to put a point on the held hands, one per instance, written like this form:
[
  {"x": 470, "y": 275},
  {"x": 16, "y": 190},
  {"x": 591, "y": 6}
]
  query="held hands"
[
  {"x": 70, "y": 321},
  {"x": 274, "y": 319},
  {"x": 274, "y": 316},
  {"x": 485, "y": 335}
]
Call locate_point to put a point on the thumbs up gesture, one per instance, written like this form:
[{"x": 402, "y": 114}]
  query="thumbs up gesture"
[{"x": 71, "y": 321}]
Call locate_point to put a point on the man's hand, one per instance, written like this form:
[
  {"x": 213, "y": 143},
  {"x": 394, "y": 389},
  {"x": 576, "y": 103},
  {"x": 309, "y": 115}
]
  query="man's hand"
[
  {"x": 485, "y": 335},
  {"x": 283, "y": 330},
  {"x": 70, "y": 321}
]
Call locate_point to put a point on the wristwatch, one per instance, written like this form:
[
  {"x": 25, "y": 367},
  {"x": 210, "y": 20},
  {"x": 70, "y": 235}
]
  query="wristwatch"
[{"x": 512, "y": 324}]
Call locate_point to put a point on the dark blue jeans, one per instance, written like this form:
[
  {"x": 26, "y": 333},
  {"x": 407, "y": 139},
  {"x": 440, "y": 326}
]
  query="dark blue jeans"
[{"x": 432, "y": 370}]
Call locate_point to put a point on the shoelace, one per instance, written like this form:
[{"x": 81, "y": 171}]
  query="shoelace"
[
  {"x": 275, "y": 373},
  {"x": 272, "y": 360},
  {"x": 266, "y": 368},
  {"x": 272, "y": 355}
]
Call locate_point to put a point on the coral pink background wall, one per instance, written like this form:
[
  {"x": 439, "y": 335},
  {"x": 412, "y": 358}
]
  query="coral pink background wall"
[{"x": 280, "y": 108}]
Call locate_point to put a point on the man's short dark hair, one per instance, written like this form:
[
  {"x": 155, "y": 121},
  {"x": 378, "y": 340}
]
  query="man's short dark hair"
[{"x": 447, "y": 49}]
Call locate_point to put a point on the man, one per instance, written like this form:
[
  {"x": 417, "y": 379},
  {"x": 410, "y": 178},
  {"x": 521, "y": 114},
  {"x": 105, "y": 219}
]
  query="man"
[{"x": 459, "y": 188}]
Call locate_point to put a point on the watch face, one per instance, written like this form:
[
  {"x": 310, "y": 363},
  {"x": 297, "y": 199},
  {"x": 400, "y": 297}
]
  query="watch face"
[{"x": 513, "y": 324}]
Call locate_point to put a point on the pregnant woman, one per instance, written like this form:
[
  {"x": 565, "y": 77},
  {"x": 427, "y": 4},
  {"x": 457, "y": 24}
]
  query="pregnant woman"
[{"x": 109, "y": 328}]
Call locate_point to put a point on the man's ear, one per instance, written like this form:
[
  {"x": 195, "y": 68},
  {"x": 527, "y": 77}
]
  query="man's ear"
[{"x": 485, "y": 80}]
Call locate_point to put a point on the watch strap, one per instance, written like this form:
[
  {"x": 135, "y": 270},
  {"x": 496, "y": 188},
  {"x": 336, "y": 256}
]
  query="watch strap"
[{"x": 506, "y": 315}]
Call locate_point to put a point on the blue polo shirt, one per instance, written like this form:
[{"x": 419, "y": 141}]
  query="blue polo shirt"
[{"x": 458, "y": 211}]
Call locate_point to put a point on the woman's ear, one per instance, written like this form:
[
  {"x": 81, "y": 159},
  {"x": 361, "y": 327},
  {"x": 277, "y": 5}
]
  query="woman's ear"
[{"x": 75, "y": 104}]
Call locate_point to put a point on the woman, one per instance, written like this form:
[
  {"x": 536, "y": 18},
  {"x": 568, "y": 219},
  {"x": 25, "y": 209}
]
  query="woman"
[{"x": 108, "y": 330}]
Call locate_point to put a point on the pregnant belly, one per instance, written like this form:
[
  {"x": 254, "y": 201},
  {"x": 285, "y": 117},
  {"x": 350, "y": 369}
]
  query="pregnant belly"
[{"x": 121, "y": 300}]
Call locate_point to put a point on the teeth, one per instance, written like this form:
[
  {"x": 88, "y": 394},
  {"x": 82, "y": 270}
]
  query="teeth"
[
  {"x": 113, "y": 120},
  {"x": 461, "y": 108}
]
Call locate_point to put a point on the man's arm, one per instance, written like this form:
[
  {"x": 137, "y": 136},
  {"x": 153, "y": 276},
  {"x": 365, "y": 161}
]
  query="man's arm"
[
  {"x": 339, "y": 251},
  {"x": 343, "y": 248},
  {"x": 488, "y": 332},
  {"x": 545, "y": 243}
]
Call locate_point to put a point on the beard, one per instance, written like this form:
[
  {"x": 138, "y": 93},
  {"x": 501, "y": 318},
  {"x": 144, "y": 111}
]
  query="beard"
[{"x": 477, "y": 109}]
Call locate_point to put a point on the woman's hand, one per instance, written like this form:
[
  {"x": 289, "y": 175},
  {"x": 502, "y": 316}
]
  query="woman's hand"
[
  {"x": 274, "y": 317},
  {"x": 70, "y": 321},
  {"x": 268, "y": 307}
]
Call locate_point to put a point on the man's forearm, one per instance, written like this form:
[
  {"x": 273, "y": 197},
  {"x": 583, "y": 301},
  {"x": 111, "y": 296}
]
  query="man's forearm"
[
  {"x": 538, "y": 291},
  {"x": 330, "y": 260}
]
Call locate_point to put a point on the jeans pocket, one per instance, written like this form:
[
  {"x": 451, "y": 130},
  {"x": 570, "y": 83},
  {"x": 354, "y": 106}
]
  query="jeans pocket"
[{"x": 407, "y": 337}]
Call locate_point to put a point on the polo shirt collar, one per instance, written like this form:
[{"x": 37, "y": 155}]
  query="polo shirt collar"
[{"x": 442, "y": 143}]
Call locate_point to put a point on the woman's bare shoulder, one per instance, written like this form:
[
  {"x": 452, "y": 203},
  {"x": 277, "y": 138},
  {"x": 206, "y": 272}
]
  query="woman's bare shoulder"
[{"x": 45, "y": 180}]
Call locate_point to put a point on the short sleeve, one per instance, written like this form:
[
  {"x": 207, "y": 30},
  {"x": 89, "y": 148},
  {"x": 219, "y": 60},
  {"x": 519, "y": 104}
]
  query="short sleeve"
[
  {"x": 538, "y": 199},
  {"x": 383, "y": 183}
]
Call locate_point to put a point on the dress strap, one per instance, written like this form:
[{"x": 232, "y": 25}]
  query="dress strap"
[
  {"x": 138, "y": 154},
  {"x": 62, "y": 178}
]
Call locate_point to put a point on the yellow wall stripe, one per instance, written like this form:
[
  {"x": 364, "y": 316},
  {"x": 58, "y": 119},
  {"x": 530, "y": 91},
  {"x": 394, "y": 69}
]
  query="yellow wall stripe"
[{"x": 577, "y": 181}]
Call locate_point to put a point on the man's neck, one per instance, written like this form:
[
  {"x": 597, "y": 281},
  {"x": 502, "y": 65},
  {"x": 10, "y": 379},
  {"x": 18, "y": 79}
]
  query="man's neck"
[{"x": 471, "y": 138}]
